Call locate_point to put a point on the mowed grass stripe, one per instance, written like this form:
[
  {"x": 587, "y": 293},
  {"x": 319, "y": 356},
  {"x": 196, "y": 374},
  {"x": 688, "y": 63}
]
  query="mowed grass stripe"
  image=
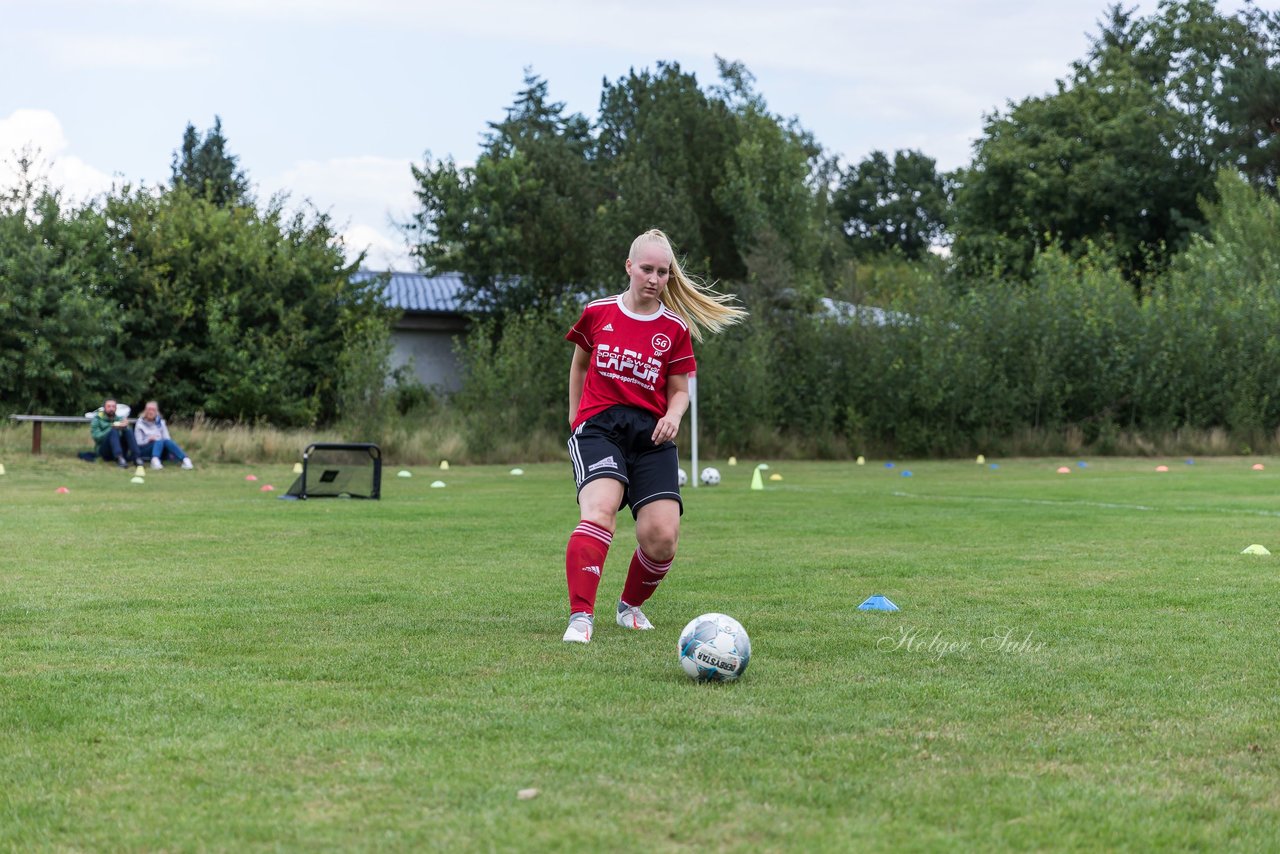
[{"x": 191, "y": 663}]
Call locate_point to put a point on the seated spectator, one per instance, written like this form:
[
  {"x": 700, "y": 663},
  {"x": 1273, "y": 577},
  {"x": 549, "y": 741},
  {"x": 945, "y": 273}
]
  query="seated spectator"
[
  {"x": 111, "y": 436},
  {"x": 153, "y": 438}
]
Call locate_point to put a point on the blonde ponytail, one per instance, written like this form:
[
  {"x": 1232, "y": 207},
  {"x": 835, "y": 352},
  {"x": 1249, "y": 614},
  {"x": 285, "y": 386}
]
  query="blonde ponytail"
[{"x": 691, "y": 298}]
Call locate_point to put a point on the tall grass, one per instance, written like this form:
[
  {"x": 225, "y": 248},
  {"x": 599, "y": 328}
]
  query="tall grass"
[
  {"x": 406, "y": 440},
  {"x": 444, "y": 436}
]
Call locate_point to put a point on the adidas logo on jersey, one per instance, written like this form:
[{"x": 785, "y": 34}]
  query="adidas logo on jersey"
[{"x": 608, "y": 327}]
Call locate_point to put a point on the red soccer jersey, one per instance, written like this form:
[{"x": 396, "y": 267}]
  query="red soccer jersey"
[{"x": 630, "y": 356}]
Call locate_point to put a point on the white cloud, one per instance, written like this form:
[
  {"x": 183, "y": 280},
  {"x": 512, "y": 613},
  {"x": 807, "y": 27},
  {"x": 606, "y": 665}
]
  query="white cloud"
[
  {"x": 382, "y": 251},
  {"x": 39, "y": 134},
  {"x": 123, "y": 51},
  {"x": 364, "y": 196},
  {"x": 357, "y": 182}
]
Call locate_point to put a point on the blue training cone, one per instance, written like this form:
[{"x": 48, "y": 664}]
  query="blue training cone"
[{"x": 877, "y": 602}]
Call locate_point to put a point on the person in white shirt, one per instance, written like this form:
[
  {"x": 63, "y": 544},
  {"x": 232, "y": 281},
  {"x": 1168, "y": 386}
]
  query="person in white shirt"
[{"x": 154, "y": 440}]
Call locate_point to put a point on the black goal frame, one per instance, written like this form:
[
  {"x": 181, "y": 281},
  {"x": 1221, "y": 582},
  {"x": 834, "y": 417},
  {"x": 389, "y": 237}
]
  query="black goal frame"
[{"x": 374, "y": 452}]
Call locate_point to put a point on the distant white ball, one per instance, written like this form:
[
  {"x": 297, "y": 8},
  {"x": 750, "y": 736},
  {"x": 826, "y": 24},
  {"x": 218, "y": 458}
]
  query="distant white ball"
[
  {"x": 714, "y": 648},
  {"x": 683, "y": 476},
  {"x": 710, "y": 476}
]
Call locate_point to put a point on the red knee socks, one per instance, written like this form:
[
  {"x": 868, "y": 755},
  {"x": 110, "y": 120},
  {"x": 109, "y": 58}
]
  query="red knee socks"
[
  {"x": 583, "y": 562},
  {"x": 643, "y": 578}
]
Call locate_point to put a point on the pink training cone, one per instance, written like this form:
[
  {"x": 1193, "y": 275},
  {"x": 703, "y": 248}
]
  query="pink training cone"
[
  {"x": 1162, "y": 468},
  {"x": 1258, "y": 467},
  {"x": 1064, "y": 470},
  {"x": 251, "y": 477},
  {"x": 266, "y": 487},
  {"x": 62, "y": 490}
]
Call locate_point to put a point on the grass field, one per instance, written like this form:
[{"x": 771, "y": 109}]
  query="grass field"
[{"x": 1081, "y": 661}]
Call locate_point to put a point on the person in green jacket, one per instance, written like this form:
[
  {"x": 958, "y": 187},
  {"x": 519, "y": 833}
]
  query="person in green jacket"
[{"x": 112, "y": 436}]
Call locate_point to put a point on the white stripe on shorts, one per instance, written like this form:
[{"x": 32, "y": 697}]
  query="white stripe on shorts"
[{"x": 575, "y": 456}]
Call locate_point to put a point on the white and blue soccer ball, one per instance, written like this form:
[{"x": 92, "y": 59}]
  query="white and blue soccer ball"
[
  {"x": 714, "y": 648},
  {"x": 684, "y": 477},
  {"x": 710, "y": 476}
]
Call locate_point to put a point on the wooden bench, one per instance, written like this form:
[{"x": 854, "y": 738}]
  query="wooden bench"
[{"x": 38, "y": 422}]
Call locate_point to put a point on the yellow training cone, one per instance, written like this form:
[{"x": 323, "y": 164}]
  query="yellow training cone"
[
  {"x": 1, "y": 468},
  {"x": 444, "y": 465},
  {"x": 297, "y": 468},
  {"x": 1256, "y": 549},
  {"x": 775, "y": 476},
  {"x": 733, "y": 461},
  {"x": 757, "y": 482},
  {"x": 862, "y": 461},
  {"x": 981, "y": 459},
  {"x": 139, "y": 471}
]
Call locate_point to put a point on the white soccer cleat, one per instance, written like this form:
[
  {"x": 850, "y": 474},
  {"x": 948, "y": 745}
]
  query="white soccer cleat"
[
  {"x": 156, "y": 464},
  {"x": 186, "y": 463},
  {"x": 579, "y": 631},
  {"x": 630, "y": 617}
]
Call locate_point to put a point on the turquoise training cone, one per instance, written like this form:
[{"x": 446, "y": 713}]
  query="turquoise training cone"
[{"x": 877, "y": 602}]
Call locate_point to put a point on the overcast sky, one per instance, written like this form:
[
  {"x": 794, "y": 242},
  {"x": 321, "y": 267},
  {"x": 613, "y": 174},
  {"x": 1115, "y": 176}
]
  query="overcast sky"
[{"x": 333, "y": 99}]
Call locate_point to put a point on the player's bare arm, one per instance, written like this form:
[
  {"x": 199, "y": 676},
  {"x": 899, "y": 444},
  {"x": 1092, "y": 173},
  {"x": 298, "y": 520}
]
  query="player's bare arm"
[
  {"x": 577, "y": 375},
  {"x": 677, "y": 402}
]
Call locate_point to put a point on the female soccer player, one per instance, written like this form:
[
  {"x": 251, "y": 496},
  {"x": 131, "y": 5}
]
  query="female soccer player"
[{"x": 628, "y": 390}]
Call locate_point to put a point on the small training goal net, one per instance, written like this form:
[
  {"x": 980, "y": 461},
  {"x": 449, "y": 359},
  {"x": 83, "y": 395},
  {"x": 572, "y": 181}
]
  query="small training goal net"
[{"x": 339, "y": 471}]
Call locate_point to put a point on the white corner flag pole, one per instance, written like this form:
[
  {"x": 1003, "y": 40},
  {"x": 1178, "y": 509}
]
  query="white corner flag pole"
[{"x": 693, "y": 426}]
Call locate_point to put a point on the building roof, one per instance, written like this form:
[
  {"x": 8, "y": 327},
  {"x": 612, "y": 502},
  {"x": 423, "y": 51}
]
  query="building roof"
[{"x": 419, "y": 293}]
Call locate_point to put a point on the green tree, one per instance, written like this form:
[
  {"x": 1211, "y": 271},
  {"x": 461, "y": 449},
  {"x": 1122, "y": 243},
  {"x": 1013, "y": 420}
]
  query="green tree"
[
  {"x": 665, "y": 145},
  {"x": 900, "y": 204},
  {"x": 61, "y": 342},
  {"x": 237, "y": 312},
  {"x": 1247, "y": 107},
  {"x": 206, "y": 168},
  {"x": 522, "y": 224},
  {"x": 777, "y": 181},
  {"x": 1118, "y": 155}
]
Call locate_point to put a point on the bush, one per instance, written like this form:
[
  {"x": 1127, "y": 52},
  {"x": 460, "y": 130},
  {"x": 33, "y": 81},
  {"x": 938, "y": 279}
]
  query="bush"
[
  {"x": 1069, "y": 361},
  {"x": 516, "y": 378}
]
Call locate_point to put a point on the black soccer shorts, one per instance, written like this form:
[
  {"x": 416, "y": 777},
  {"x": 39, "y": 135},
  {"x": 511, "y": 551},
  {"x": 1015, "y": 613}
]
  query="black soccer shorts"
[{"x": 618, "y": 443}]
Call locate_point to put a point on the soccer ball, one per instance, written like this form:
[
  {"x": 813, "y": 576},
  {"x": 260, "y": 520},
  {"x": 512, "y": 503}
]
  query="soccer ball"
[
  {"x": 714, "y": 648},
  {"x": 710, "y": 476},
  {"x": 684, "y": 477}
]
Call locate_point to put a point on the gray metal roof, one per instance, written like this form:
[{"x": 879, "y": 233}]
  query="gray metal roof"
[{"x": 416, "y": 292}]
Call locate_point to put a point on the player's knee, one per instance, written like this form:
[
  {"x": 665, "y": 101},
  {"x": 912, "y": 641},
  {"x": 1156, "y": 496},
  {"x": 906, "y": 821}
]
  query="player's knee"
[
  {"x": 600, "y": 517},
  {"x": 659, "y": 542}
]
